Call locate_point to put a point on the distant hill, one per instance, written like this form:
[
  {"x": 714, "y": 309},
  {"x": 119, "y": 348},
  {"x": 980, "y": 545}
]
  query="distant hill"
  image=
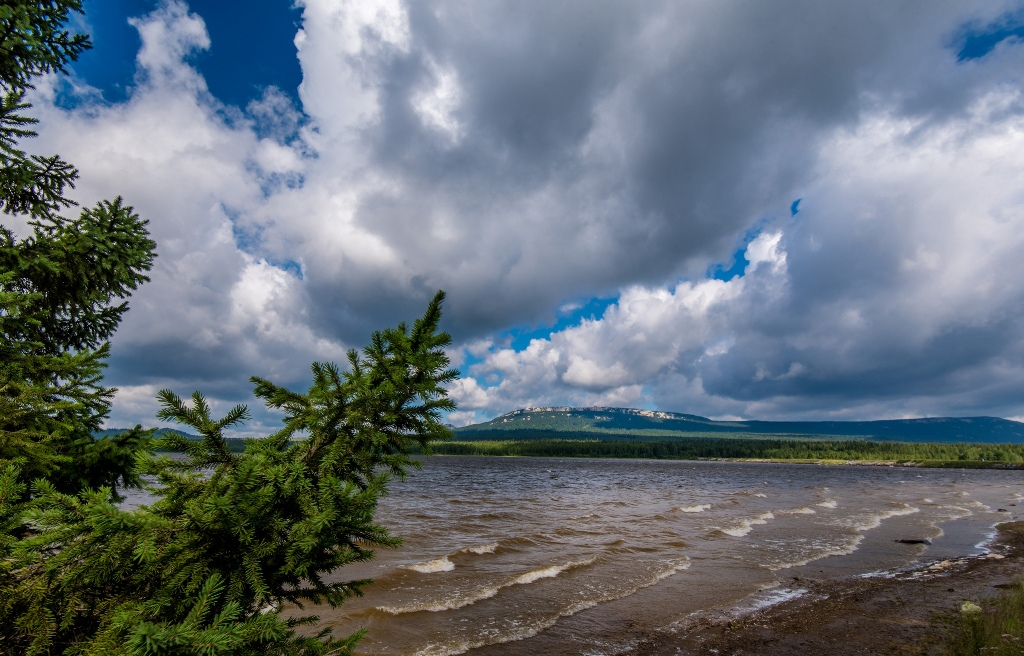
[
  {"x": 235, "y": 444},
  {"x": 630, "y": 423},
  {"x": 107, "y": 432}
]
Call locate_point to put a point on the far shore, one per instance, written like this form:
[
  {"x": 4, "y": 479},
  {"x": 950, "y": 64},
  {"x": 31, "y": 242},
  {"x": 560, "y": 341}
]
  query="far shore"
[
  {"x": 925, "y": 464},
  {"x": 932, "y": 464},
  {"x": 824, "y": 451}
]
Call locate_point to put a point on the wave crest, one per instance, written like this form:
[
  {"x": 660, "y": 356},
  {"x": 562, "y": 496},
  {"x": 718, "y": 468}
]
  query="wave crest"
[
  {"x": 473, "y": 596},
  {"x": 530, "y": 630},
  {"x": 875, "y": 521},
  {"x": 482, "y": 549},
  {"x": 441, "y": 564},
  {"x": 806, "y": 510},
  {"x": 747, "y": 525}
]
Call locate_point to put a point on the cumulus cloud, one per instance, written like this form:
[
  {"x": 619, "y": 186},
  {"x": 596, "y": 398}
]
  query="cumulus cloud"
[
  {"x": 216, "y": 310},
  {"x": 894, "y": 292},
  {"x": 525, "y": 157}
]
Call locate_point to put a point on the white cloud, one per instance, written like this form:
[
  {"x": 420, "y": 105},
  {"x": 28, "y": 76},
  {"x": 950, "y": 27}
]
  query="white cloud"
[
  {"x": 336, "y": 38},
  {"x": 166, "y": 41},
  {"x": 213, "y": 314},
  {"x": 469, "y": 394},
  {"x": 609, "y": 360},
  {"x": 582, "y": 372},
  {"x": 899, "y": 280},
  {"x": 437, "y": 105},
  {"x": 524, "y": 158}
]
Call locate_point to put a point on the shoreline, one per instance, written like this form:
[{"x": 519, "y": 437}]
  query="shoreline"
[
  {"x": 922, "y": 464},
  {"x": 823, "y": 462},
  {"x": 896, "y": 612}
]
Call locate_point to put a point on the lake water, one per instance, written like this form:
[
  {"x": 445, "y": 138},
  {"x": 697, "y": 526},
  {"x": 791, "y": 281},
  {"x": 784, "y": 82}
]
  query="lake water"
[{"x": 560, "y": 556}]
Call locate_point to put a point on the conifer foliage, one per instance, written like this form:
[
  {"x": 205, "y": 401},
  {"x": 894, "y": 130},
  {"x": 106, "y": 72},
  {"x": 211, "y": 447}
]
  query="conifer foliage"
[
  {"x": 63, "y": 288},
  {"x": 234, "y": 545}
]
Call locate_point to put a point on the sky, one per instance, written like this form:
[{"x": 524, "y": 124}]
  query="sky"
[{"x": 787, "y": 210}]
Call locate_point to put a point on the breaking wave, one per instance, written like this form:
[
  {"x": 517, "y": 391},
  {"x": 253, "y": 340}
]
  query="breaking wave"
[
  {"x": 462, "y": 599},
  {"x": 799, "y": 511},
  {"x": 774, "y": 597},
  {"x": 520, "y": 632},
  {"x": 836, "y": 550},
  {"x": 482, "y": 549},
  {"x": 441, "y": 564},
  {"x": 874, "y": 521},
  {"x": 747, "y": 525}
]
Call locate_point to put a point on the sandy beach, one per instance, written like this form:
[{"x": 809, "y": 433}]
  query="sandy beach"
[{"x": 893, "y": 614}]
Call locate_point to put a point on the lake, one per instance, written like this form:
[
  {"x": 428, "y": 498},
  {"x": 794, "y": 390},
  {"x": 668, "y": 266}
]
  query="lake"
[{"x": 561, "y": 556}]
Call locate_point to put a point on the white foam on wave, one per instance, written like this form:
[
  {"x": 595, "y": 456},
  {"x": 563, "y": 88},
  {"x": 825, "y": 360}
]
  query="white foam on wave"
[
  {"x": 747, "y": 525},
  {"x": 512, "y": 635},
  {"x": 520, "y": 632},
  {"x": 761, "y": 495},
  {"x": 543, "y": 573},
  {"x": 950, "y": 513},
  {"x": 482, "y": 549},
  {"x": 875, "y": 521},
  {"x": 846, "y": 549},
  {"x": 985, "y": 546},
  {"x": 774, "y": 598},
  {"x": 695, "y": 509},
  {"x": 462, "y": 599},
  {"x": 799, "y": 511},
  {"x": 828, "y": 503},
  {"x": 441, "y": 564}
]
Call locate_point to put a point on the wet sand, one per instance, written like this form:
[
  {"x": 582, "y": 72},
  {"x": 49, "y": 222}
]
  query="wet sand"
[{"x": 895, "y": 614}]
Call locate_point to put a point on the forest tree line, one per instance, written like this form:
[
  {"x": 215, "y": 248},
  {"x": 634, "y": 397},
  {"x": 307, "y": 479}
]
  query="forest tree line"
[{"x": 935, "y": 454}]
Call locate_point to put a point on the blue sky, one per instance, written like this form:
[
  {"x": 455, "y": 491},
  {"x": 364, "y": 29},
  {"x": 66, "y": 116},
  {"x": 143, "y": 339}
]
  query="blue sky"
[
  {"x": 252, "y": 49},
  {"x": 710, "y": 208}
]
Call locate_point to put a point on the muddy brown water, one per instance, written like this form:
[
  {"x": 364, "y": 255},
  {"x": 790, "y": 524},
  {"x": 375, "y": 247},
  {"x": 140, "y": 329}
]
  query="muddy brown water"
[{"x": 560, "y": 556}]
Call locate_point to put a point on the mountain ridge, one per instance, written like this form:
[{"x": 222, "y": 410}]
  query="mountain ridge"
[{"x": 605, "y": 422}]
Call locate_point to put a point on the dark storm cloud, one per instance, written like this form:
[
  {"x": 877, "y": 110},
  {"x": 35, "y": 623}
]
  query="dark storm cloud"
[
  {"x": 524, "y": 155},
  {"x": 635, "y": 141}
]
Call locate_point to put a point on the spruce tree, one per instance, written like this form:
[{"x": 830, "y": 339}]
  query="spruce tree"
[
  {"x": 236, "y": 545},
  {"x": 63, "y": 287}
]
